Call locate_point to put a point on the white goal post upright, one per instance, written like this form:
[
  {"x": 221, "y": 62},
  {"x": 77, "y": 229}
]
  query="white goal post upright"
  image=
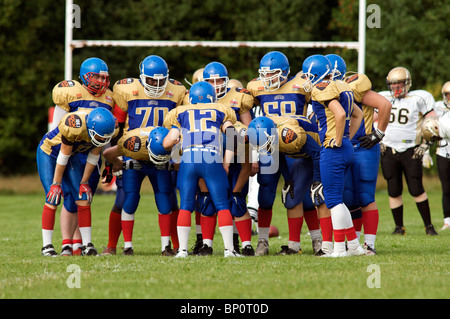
[{"x": 71, "y": 44}]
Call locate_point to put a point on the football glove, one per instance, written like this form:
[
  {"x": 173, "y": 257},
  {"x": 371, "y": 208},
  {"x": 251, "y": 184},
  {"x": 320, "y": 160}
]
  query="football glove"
[
  {"x": 287, "y": 188},
  {"x": 107, "y": 174},
  {"x": 370, "y": 140},
  {"x": 238, "y": 204},
  {"x": 85, "y": 189},
  {"x": 427, "y": 160},
  {"x": 317, "y": 193},
  {"x": 333, "y": 144},
  {"x": 54, "y": 194},
  {"x": 420, "y": 150}
]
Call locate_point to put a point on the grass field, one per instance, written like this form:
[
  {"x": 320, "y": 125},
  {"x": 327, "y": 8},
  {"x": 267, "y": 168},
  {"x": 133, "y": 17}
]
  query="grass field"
[{"x": 412, "y": 266}]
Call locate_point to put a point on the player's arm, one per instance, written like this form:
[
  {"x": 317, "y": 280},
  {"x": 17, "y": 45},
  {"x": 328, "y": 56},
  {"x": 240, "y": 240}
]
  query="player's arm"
[
  {"x": 383, "y": 106},
  {"x": 339, "y": 118},
  {"x": 91, "y": 163},
  {"x": 171, "y": 139},
  {"x": 58, "y": 114},
  {"x": 61, "y": 161},
  {"x": 112, "y": 155}
]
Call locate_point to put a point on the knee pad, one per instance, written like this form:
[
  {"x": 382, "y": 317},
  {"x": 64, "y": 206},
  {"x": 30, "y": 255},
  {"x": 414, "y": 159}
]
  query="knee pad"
[
  {"x": 163, "y": 203},
  {"x": 238, "y": 205},
  {"x": 131, "y": 202},
  {"x": 205, "y": 205}
]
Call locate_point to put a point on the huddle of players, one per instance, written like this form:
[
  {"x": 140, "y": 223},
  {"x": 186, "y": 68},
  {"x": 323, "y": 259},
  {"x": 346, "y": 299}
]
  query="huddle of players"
[{"x": 222, "y": 146}]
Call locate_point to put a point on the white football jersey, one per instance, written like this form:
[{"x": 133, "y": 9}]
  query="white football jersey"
[
  {"x": 443, "y": 112},
  {"x": 406, "y": 116}
]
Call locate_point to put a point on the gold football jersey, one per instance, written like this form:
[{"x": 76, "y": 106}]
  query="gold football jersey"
[
  {"x": 72, "y": 96},
  {"x": 133, "y": 143}
]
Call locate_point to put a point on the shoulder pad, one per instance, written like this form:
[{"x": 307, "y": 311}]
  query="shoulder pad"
[
  {"x": 64, "y": 84},
  {"x": 175, "y": 82}
]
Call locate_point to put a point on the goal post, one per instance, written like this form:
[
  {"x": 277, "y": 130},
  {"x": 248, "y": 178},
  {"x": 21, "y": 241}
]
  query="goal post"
[{"x": 71, "y": 44}]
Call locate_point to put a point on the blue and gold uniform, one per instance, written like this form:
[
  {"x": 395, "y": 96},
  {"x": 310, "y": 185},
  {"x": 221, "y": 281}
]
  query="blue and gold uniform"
[
  {"x": 360, "y": 184},
  {"x": 334, "y": 161},
  {"x": 201, "y": 126},
  {"x": 133, "y": 144},
  {"x": 289, "y": 99},
  {"x": 299, "y": 145},
  {"x": 143, "y": 110},
  {"x": 72, "y": 96},
  {"x": 72, "y": 129}
]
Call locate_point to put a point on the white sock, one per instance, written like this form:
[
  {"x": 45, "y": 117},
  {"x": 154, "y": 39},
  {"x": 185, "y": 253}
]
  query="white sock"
[
  {"x": 183, "y": 236},
  {"x": 165, "y": 241},
  {"x": 294, "y": 245},
  {"x": 227, "y": 235},
  {"x": 370, "y": 240},
  {"x": 208, "y": 242},
  {"x": 85, "y": 235},
  {"x": 263, "y": 233},
  {"x": 341, "y": 217},
  {"x": 47, "y": 235}
]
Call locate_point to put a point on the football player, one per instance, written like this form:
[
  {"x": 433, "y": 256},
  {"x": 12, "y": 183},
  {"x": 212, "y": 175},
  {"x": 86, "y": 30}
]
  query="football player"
[
  {"x": 200, "y": 124},
  {"x": 278, "y": 95},
  {"x": 62, "y": 173},
  {"x": 360, "y": 186},
  {"x": 440, "y": 130},
  {"x": 147, "y": 101},
  {"x": 71, "y": 96},
  {"x": 241, "y": 102},
  {"x": 333, "y": 106},
  {"x": 402, "y": 148},
  {"x": 296, "y": 138}
]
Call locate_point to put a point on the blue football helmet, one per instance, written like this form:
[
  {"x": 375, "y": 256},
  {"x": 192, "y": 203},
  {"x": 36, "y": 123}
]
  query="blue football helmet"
[
  {"x": 156, "y": 151},
  {"x": 263, "y": 134},
  {"x": 215, "y": 71},
  {"x": 315, "y": 68},
  {"x": 95, "y": 76},
  {"x": 101, "y": 125},
  {"x": 154, "y": 75},
  {"x": 273, "y": 70},
  {"x": 339, "y": 66},
  {"x": 202, "y": 92}
]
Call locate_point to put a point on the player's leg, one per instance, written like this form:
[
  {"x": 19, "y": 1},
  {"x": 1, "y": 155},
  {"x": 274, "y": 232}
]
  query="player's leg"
[
  {"x": 393, "y": 174},
  {"x": 413, "y": 176},
  {"x": 115, "y": 219},
  {"x": 443, "y": 165},
  {"x": 46, "y": 169}
]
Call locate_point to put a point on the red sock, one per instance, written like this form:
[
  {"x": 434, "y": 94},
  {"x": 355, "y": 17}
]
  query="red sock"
[
  {"x": 370, "y": 222},
  {"x": 339, "y": 235},
  {"x": 264, "y": 217},
  {"x": 326, "y": 227},
  {"x": 67, "y": 242},
  {"x": 295, "y": 228},
  {"x": 244, "y": 228},
  {"x": 84, "y": 216},
  {"x": 357, "y": 224},
  {"x": 164, "y": 224},
  {"x": 208, "y": 224},
  {"x": 224, "y": 218},
  {"x": 184, "y": 218},
  {"x": 311, "y": 219},
  {"x": 48, "y": 218},
  {"x": 173, "y": 229},
  {"x": 127, "y": 230},
  {"x": 198, "y": 218},
  {"x": 115, "y": 228},
  {"x": 350, "y": 233}
]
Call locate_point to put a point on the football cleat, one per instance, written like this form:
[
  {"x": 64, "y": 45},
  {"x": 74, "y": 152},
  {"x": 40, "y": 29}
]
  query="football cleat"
[
  {"x": 49, "y": 250},
  {"x": 399, "y": 230},
  {"x": 262, "y": 248},
  {"x": 168, "y": 251},
  {"x": 66, "y": 251},
  {"x": 198, "y": 244},
  {"x": 128, "y": 251},
  {"x": 429, "y": 230},
  {"x": 285, "y": 250},
  {"x": 356, "y": 251},
  {"x": 445, "y": 227},
  {"x": 316, "y": 245},
  {"x": 108, "y": 251},
  {"x": 205, "y": 251},
  {"x": 182, "y": 254},
  {"x": 236, "y": 243},
  {"x": 369, "y": 250},
  {"x": 248, "y": 251},
  {"x": 227, "y": 253},
  {"x": 89, "y": 250}
]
